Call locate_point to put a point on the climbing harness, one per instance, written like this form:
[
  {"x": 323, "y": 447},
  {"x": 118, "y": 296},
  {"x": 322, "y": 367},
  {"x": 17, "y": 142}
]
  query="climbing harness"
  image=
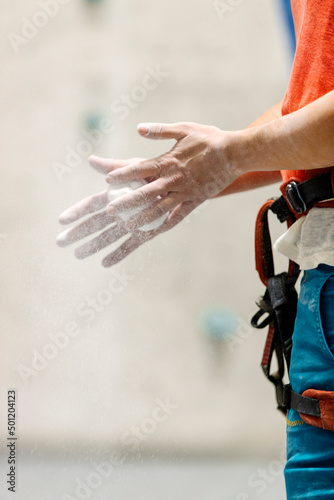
[{"x": 278, "y": 306}]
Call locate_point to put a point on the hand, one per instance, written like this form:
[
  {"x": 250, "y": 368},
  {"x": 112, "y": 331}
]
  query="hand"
[
  {"x": 194, "y": 170},
  {"x": 112, "y": 227}
]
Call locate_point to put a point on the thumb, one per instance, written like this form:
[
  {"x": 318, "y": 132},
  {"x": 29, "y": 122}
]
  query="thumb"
[{"x": 162, "y": 130}]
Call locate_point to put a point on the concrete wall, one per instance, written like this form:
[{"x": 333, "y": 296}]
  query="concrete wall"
[{"x": 224, "y": 63}]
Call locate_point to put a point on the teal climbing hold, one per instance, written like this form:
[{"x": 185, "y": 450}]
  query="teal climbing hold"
[
  {"x": 92, "y": 121},
  {"x": 219, "y": 324}
]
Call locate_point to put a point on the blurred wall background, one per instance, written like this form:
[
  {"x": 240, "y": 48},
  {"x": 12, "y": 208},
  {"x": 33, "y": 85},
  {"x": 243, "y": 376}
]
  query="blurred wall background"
[{"x": 103, "y": 357}]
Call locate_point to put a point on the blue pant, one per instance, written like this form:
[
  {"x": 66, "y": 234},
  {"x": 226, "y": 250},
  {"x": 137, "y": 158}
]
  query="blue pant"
[{"x": 309, "y": 472}]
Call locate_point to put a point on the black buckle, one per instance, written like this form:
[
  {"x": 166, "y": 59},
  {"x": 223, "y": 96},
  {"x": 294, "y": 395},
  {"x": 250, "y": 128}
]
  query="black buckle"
[{"x": 295, "y": 198}]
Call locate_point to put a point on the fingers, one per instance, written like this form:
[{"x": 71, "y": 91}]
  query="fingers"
[
  {"x": 106, "y": 165},
  {"x": 154, "y": 212},
  {"x": 138, "y": 238},
  {"x": 103, "y": 240},
  {"x": 131, "y": 244},
  {"x": 163, "y": 130},
  {"x": 95, "y": 223},
  {"x": 181, "y": 211},
  {"x": 84, "y": 207},
  {"x": 139, "y": 197},
  {"x": 138, "y": 170}
]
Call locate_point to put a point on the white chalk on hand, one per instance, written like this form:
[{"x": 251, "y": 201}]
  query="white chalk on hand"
[{"x": 118, "y": 190}]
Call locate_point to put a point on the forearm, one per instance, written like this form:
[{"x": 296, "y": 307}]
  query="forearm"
[
  {"x": 302, "y": 140},
  {"x": 252, "y": 180},
  {"x": 270, "y": 114},
  {"x": 205, "y": 161}
]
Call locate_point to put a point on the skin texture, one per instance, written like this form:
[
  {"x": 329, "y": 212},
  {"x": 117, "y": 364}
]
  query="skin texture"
[
  {"x": 253, "y": 180},
  {"x": 203, "y": 163}
]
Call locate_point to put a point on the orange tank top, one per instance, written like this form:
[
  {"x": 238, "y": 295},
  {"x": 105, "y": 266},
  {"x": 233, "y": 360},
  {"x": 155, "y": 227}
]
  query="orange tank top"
[{"x": 312, "y": 74}]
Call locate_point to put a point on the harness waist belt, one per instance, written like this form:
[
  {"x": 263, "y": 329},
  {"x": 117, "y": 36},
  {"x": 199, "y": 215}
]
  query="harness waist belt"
[{"x": 299, "y": 197}]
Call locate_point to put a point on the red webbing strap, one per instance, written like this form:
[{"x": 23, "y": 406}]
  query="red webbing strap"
[
  {"x": 264, "y": 263},
  {"x": 326, "y": 403},
  {"x": 291, "y": 268},
  {"x": 268, "y": 349},
  {"x": 263, "y": 253},
  {"x": 292, "y": 265}
]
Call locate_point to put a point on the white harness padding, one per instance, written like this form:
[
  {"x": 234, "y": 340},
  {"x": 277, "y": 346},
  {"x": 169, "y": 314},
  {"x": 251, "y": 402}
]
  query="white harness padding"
[{"x": 310, "y": 240}]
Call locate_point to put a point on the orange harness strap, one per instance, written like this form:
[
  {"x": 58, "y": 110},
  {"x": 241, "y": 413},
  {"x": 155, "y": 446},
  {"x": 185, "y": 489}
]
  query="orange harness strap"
[
  {"x": 263, "y": 254},
  {"x": 326, "y": 404}
]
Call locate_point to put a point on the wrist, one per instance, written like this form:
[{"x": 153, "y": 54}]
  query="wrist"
[
  {"x": 262, "y": 147},
  {"x": 240, "y": 150}
]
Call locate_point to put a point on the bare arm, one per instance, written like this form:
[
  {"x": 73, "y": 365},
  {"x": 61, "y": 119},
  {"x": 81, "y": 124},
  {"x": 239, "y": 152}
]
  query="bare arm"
[
  {"x": 206, "y": 160},
  {"x": 252, "y": 180},
  {"x": 302, "y": 140},
  {"x": 203, "y": 162}
]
